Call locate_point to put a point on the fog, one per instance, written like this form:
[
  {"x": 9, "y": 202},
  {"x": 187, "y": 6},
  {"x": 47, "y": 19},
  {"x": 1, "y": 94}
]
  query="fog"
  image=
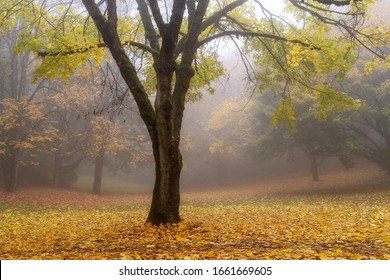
[
  {"x": 204, "y": 170},
  {"x": 218, "y": 131}
]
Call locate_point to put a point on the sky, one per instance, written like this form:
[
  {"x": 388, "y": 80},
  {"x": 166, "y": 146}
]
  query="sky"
[{"x": 274, "y": 5}]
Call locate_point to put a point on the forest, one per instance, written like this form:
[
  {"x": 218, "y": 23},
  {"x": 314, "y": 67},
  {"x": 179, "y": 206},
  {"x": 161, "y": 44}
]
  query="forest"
[{"x": 194, "y": 129}]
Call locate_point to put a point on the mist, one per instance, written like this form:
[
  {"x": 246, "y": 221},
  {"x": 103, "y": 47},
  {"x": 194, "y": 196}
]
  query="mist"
[{"x": 237, "y": 165}]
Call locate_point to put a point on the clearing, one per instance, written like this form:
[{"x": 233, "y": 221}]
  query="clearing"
[{"x": 345, "y": 216}]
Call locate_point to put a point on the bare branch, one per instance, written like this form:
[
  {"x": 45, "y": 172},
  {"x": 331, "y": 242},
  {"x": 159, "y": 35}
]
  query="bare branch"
[
  {"x": 176, "y": 19},
  {"x": 335, "y": 2},
  {"x": 256, "y": 34},
  {"x": 150, "y": 32},
  {"x": 157, "y": 16},
  {"x": 221, "y": 13}
]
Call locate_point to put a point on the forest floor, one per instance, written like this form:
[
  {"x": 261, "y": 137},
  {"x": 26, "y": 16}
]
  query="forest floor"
[{"x": 344, "y": 216}]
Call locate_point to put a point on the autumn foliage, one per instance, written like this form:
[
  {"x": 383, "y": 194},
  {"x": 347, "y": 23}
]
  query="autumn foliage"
[{"x": 233, "y": 224}]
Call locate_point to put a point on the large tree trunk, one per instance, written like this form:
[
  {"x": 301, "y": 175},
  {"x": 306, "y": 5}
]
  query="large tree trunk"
[
  {"x": 166, "y": 193},
  {"x": 166, "y": 142},
  {"x": 97, "y": 182}
]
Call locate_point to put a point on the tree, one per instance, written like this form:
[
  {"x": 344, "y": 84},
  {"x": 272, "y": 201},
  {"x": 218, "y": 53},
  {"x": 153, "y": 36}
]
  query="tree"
[
  {"x": 21, "y": 130},
  {"x": 368, "y": 80},
  {"x": 23, "y": 121},
  {"x": 316, "y": 139},
  {"x": 105, "y": 139},
  {"x": 370, "y": 125},
  {"x": 294, "y": 72},
  {"x": 172, "y": 39}
]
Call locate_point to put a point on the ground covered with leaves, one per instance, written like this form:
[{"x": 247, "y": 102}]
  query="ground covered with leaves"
[{"x": 55, "y": 224}]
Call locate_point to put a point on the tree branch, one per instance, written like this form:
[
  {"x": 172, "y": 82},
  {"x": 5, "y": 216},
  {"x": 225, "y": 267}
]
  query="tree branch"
[
  {"x": 112, "y": 14},
  {"x": 255, "y": 34},
  {"x": 341, "y": 24},
  {"x": 127, "y": 69},
  {"x": 194, "y": 31},
  {"x": 176, "y": 19},
  {"x": 100, "y": 45},
  {"x": 213, "y": 19},
  {"x": 184, "y": 73},
  {"x": 157, "y": 16},
  {"x": 336, "y": 3},
  {"x": 221, "y": 13},
  {"x": 191, "y": 8},
  {"x": 150, "y": 32},
  {"x": 332, "y": 11}
]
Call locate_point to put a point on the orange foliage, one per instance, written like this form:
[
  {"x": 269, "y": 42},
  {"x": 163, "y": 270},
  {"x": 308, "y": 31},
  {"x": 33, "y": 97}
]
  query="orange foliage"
[{"x": 69, "y": 225}]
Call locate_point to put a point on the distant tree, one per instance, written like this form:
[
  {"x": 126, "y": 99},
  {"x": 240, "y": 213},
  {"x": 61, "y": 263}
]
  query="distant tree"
[
  {"x": 105, "y": 138},
  {"x": 91, "y": 129},
  {"x": 370, "y": 125},
  {"x": 368, "y": 80},
  {"x": 317, "y": 139},
  {"x": 24, "y": 125},
  {"x": 67, "y": 152}
]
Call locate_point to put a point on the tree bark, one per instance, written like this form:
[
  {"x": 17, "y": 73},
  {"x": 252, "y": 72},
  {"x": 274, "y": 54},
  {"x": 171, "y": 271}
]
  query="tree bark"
[
  {"x": 97, "y": 182},
  {"x": 165, "y": 204}
]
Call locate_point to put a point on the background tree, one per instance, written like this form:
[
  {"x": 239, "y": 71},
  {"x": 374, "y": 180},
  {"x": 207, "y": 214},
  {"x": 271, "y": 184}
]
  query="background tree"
[
  {"x": 24, "y": 123},
  {"x": 90, "y": 130},
  {"x": 370, "y": 125},
  {"x": 368, "y": 80},
  {"x": 316, "y": 139},
  {"x": 22, "y": 129},
  {"x": 105, "y": 139}
]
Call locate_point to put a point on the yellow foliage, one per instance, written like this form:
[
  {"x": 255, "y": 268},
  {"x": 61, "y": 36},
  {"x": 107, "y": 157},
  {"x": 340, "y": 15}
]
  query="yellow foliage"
[
  {"x": 20, "y": 125},
  {"x": 349, "y": 227},
  {"x": 105, "y": 135}
]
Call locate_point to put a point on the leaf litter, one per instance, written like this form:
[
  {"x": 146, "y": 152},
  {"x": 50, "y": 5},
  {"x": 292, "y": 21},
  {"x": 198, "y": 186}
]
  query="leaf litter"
[{"x": 350, "y": 226}]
